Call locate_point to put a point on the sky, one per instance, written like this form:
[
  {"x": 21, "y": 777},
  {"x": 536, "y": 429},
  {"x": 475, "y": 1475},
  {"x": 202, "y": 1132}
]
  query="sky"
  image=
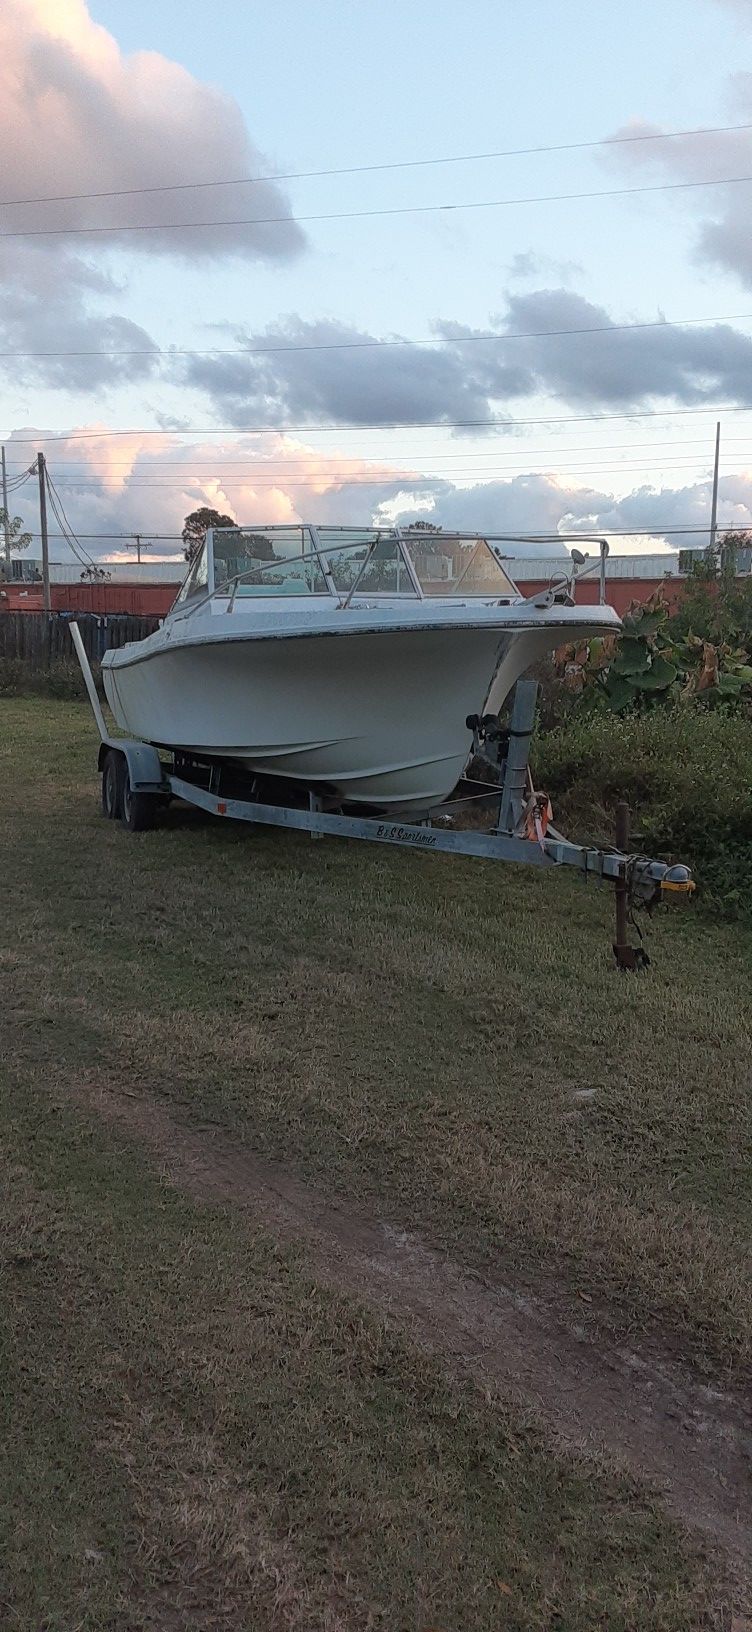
[{"x": 246, "y": 337}]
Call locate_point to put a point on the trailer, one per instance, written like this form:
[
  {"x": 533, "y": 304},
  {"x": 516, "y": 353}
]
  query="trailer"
[{"x": 138, "y": 782}]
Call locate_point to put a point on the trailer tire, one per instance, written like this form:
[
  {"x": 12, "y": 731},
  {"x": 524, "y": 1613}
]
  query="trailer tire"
[
  {"x": 138, "y": 810},
  {"x": 112, "y": 785}
]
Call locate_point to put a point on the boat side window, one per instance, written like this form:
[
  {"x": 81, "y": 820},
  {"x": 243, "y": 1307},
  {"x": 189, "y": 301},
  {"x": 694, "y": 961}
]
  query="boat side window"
[
  {"x": 447, "y": 564},
  {"x": 383, "y": 572},
  {"x": 272, "y": 562},
  {"x": 197, "y": 580}
]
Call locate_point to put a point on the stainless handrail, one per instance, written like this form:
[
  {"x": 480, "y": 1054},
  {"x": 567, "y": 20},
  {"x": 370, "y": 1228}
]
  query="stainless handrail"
[{"x": 321, "y": 551}]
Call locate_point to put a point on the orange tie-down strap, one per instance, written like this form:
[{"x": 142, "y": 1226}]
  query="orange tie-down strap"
[{"x": 537, "y": 815}]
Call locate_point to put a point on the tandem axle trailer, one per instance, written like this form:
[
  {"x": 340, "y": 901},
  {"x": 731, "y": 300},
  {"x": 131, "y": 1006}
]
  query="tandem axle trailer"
[{"x": 137, "y": 783}]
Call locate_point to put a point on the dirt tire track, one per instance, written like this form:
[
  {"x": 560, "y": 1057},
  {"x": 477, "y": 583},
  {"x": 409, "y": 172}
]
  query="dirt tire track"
[{"x": 644, "y": 1413}]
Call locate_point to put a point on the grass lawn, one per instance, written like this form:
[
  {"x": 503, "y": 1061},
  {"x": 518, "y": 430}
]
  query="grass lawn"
[{"x": 206, "y": 1438}]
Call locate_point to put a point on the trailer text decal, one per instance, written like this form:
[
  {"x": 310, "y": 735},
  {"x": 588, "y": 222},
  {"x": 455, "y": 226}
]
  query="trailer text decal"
[{"x": 405, "y": 835}]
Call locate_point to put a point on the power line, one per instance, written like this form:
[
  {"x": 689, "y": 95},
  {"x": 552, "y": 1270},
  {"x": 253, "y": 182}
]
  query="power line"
[
  {"x": 408, "y": 478},
  {"x": 300, "y": 462},
  {"x": 361, "y": 215},
  {"x": 121, "y": 538},
  {"x": 407, "y": 424},
  {"x": 56, "y": 503},
  {"x": 384, "y": 473},
  {"x": 13, "y": 483},
  {"x": 367, "y": 345},
  {"x": 252, "y": 462},
  {"x": 396, "y": 164},
  {"x": 375, "y": 469}
]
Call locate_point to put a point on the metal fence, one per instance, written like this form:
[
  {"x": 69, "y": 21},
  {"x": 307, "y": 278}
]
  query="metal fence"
[{"x": 38, "y": 643}]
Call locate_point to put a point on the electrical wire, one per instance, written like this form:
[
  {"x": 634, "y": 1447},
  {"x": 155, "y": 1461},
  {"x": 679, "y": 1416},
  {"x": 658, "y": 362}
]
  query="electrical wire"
[
  {"x": 19, "y": 478},
  {"x": 406, "y": 478},
  {"x": 239, "y": 470},
  {"x": 56, "y": 504},
  {"x": 395, "y": 164},
  {"x": 250, "y": 460},
  {"x": 369, "y": 345},
  {"x": 362, "y": 215},
  {"x": 407, "y": 424}
]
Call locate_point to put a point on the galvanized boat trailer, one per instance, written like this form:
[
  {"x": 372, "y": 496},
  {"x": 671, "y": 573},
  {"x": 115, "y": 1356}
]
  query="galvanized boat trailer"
[{"x": 137, "y": 784}]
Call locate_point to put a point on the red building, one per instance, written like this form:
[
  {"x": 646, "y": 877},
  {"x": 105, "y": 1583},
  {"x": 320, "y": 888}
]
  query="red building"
[{"x": 628, "y": 579}]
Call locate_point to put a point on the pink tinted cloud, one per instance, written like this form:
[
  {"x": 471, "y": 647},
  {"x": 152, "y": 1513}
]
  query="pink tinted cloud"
[{"x": 77, "y": 115}]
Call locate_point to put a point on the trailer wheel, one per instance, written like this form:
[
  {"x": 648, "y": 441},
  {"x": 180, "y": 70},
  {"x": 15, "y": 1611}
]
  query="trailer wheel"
[
  {"x": 112, "y": 785},
  {"x": 139, "y": 810}
]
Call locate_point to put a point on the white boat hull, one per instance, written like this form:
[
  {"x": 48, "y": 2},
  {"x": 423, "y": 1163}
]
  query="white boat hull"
[{"x": 377, "y": 715}]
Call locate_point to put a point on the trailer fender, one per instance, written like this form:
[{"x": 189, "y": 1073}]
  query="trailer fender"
[{"x": 145, "y": 772}]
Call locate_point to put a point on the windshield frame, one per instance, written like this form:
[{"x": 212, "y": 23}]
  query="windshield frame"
[{"x": 319, "y": 549}]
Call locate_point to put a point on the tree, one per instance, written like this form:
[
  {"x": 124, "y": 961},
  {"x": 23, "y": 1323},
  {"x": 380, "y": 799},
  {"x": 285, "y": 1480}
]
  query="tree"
[
  {"x": 717, "y": 604},
  {"x": 728, "y": 551},
  {"x": 18, "y": 539},
  {"x": 258, "y": 547},
  {"x": 196, "y": 527}
]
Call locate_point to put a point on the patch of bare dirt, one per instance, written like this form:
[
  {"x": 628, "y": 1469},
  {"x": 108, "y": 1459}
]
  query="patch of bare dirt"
[{"x": 640, "y": 1410}]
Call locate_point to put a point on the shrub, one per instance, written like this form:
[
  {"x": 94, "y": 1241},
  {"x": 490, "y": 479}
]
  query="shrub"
[
  {"x": 61, "y": 678},
  {"x": 687, "y": 775}
]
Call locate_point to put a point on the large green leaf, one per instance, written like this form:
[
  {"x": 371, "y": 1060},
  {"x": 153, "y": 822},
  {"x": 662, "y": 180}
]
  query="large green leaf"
[
  {"x": 597, "y": 654},
  {"x": 620, "y": 691},
  {"x": 730, "y": 684},
  {"x": 660, "y": 675},
  {"x": 646, "y": 623},
  {"x": 632, "y": 658}
]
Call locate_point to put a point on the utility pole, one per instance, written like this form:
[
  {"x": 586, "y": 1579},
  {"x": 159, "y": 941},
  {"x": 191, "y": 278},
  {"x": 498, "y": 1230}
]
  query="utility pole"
[
  {"x": 137, "y": 537},
  {"x": 42, "y": 474},
  {"x": 714, "y": 506},
  {"x": 6, "y": 517}
]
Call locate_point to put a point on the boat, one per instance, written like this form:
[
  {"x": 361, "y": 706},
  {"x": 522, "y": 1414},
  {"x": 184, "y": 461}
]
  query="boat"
[{"x": 346, "y": 661}]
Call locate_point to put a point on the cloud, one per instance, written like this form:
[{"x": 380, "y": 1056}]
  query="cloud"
[
  {"x": 626, "y": 367},
  {"x": 322, "y": 371},
  {"x": 723, "y": 238},
  {"x": 529, "y": 264},
  {"x": 526, "y": 504},
  {"x": 670, "y": 507},
  {"x": 49, "y": 304},
  {"x": 355, "y": 386},
  {"x": 77, "y": 115},
  {"x": 134, "y": 483},
  {"x": 545, "y": 504}
]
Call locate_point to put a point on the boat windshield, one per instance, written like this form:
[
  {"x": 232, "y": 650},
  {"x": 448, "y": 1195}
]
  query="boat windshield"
[
  {"x": 350, "y": 561},
  {"x": 366, "y": 561},
  {"x": 267, "y": 561},
  {"x": 456, "y": 564}
]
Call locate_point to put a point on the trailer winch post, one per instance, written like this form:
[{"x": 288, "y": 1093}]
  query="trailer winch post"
[{"x": 514, "y": 785}]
